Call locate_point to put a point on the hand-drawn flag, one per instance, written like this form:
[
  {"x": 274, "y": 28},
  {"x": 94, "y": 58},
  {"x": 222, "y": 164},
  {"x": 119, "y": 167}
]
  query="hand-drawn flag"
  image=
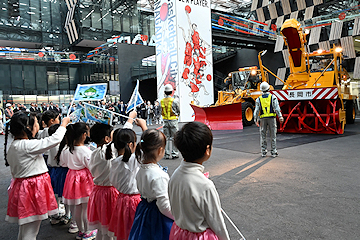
[
  {"x": 98, "y": 114},
  {"x": 135, "y": 99},
  {"x": 90, "y": 92},
  {"x": 78, "y": 114}
]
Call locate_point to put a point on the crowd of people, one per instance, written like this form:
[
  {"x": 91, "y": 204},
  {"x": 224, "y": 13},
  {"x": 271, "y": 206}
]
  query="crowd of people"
[
  {"x": 117, "y": 189},
  {"x": 148, "y": 111}
]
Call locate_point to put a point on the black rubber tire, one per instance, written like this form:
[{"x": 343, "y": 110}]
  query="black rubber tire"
[
  {"x": 247, "y": 106},
  {"x": 350, "y": 116}
]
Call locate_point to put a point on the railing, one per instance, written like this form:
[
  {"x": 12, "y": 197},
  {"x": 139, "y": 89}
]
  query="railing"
[
  {"x": 222, "y": 53},
  {"x": 143, "y": 71},
  {"x": 241, "y": 26}
]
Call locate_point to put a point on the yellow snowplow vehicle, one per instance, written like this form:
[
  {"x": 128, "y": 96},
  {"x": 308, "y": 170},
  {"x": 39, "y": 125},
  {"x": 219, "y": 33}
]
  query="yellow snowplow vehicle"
[
  {"x": 235, "y": 105},
  {"x": 316, "y": 96}
]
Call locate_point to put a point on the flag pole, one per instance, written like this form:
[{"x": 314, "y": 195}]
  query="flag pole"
[
  {"x": 233, "y": 224},
  {"x": 114, "y": 113},
  {"x": 121, "y": 115},
  {"x": 72, "y": 102}
]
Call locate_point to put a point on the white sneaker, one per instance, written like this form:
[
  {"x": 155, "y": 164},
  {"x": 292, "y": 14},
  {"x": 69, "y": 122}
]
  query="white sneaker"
[{"x": 73, "y": 228}]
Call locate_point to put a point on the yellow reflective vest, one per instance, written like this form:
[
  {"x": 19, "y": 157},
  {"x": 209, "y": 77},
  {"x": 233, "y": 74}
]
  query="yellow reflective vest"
[
  {"x": 266, "y": 108},
  {"x": 166, "y": 107}
]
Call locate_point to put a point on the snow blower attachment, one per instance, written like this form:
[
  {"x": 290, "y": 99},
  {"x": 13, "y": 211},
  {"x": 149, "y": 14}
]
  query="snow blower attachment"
[
  {"x": 235, "y": 105},
  {"x": 316, "y": 96},
  {"x": 226, "y": 117}
]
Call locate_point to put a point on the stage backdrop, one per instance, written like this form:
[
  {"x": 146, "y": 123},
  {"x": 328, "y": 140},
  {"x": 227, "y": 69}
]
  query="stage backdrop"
[{"x": 184, "y": 52}]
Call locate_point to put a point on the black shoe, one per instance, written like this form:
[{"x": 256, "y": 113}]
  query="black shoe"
[{"x": 174, "y": 157}]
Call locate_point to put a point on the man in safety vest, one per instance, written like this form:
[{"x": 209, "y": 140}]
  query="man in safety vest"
[
  {"x": 170, "y": 112},
  {"x": 267, "y": 107}
]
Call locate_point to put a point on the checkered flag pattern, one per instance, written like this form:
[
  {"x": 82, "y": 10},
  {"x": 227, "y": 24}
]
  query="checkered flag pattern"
[
  {"x": 275, "y": 12},
  {"x": 69, "y": 25}
]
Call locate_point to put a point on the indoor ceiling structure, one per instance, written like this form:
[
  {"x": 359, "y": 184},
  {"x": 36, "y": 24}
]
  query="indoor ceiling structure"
[
  {"x": 237, "y": 7},
  {"x": 243, "y": 7}
]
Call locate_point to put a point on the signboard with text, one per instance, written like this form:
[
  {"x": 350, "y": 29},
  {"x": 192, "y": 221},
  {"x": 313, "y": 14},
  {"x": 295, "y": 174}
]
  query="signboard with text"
[{"x": 184, "y": 52}]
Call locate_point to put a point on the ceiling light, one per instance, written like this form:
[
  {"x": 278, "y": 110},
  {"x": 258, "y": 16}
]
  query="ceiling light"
[{"x": 338, "y": 49}]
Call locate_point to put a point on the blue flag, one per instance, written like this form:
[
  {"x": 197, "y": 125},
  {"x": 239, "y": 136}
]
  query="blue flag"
[
  {"x": 90, "y": 92},
  {"x": 135, "y": 99}
]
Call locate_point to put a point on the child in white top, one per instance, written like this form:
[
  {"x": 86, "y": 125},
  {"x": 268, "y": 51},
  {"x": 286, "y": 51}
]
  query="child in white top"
[
  {"x": 79, "y": 183},
  {"x": 194, "y": 200},
  {"x": 123, "y": 177},
  {"x": 29, "y": 171},
  {"x": 103, "y": 197},
  {"x": 50, "y": 118},
  {"x": 153, "y": 218}
]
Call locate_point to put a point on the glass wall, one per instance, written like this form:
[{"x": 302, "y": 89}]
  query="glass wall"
[
  {"x": 38, "y": 78},
  {"x": 109, "y": 18},
  {"x": 39, "y": 21},
  {"x": 42, "y": 21}
]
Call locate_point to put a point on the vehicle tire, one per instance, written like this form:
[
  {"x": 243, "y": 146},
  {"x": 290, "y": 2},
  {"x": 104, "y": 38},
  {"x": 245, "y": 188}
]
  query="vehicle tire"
[
  {"x": 350, "y": 112},
  {"x": 247, "y": 113}
]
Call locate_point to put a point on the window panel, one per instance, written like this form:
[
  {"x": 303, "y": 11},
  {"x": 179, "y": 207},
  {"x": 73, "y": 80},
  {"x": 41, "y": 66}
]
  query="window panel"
[
  {"x": 6, "y": 77},
  {"x": 16, "y": 77},
  {"x": 29, "y": 77},
  {"x": 95, "y": 16},
  {"x": 41, "y": 78},
  {"x": 63, "y": 78},
  {"x": 73, "y": 77},
  {"x": 126, "y": 23}
]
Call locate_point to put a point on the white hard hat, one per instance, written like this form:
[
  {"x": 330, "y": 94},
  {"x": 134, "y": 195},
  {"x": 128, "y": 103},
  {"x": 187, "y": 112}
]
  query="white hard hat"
[
  {"x": 168, "y": 88},
  {"x": 8, "y": 105},
  {"x": 264, "y": 86}
]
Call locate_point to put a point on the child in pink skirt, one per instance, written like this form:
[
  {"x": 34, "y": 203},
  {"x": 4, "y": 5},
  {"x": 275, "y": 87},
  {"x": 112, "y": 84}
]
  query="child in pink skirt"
[
  {"x": 103, "y": 197},
  {"x": 123, "y": 177},
  {"x": 79, "y": 182},
  {"x": 31, "y": 197},
  {"x": 195, "y": 203}
]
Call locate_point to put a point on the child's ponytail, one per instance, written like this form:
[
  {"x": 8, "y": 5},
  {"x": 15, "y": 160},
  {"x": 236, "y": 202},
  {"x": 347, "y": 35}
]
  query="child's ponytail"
[
  {"x": 151, "y": 140},
  {"x": 5, "y": 144},
  {"x": 127, "y": 154},
  {"x": 73, "y": 132},
  {"x": 138, "y": 152},
  {"x": 70, "y": 137},
  {"x": 108, "y": 152},
  {"x": 61, "y": 147},
  {"x": 121, "y": 141}
]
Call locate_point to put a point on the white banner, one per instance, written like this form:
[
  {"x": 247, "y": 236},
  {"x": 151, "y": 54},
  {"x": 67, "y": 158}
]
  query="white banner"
[
  {"x": 184, "y": 52},
  {"x": 166, "y": 46}
]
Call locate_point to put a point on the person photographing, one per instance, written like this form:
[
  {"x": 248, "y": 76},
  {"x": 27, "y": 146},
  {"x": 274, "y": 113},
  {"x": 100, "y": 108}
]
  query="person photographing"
[{"x": 266, "y": 109}]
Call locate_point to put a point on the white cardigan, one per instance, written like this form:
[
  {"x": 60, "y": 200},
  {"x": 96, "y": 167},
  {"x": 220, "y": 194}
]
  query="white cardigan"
[
  {"x": 195, "y": 202},
  {"x": 25, "y": 155}
]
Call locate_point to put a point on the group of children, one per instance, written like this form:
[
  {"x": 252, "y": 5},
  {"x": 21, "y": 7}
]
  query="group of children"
[{"x": 117, "y": 191}]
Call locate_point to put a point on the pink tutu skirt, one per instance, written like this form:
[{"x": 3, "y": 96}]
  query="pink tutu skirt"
[
  {"x": 123, "y": 215},
  {"x": 177, "y": 233},
  {"x": 101, "y": 203},
  {"x": 31, "y": 199},
  {"x": 77, "y": 187}
]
